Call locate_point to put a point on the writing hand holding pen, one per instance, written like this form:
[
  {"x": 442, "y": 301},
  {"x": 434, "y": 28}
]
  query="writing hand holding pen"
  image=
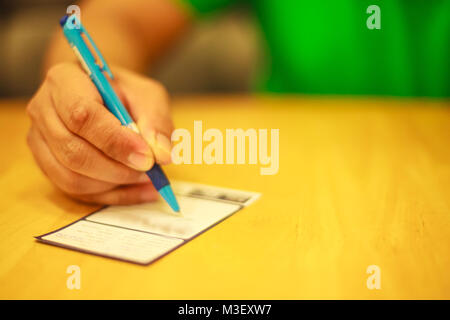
[{"x": 84, "y": 150}]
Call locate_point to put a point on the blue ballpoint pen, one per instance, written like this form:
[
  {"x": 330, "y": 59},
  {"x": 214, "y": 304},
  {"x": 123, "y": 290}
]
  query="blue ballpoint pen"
[{"x": 73, "y": 31}]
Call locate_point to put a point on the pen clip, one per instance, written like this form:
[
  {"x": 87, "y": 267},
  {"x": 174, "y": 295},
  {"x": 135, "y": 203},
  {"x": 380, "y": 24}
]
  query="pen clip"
[{"x": 105, "y": 66}]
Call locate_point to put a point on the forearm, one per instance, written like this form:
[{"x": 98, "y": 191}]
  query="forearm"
[{"x": 130, "y": 33}]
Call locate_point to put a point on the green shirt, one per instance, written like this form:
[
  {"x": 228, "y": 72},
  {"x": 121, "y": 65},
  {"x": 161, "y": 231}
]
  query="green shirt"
[{"x": 325, "y": 46}]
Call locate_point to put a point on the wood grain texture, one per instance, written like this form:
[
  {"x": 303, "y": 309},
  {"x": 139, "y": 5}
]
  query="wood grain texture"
[{"x": 361, "y": 182}]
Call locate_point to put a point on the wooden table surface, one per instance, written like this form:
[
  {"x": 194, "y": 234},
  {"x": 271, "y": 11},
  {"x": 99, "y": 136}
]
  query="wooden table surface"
[{"x": 361, "y": 182}]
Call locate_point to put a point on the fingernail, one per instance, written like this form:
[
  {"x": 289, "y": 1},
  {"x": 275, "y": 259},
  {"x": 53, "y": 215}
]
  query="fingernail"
[
  {"x": 163, "y": 142},
  {"x": 160, "y": 144},
  {"x": 150, "y": 136},
  {"x": 140, "y": 161}
]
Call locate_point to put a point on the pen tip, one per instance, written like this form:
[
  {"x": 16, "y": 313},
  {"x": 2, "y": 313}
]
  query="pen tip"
[{"x": 167, "y": 193}]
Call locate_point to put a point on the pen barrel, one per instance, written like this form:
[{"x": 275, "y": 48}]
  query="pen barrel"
[
  {"x": 88, "y": 62},
  {"x": 110, "y": 98},
  {"x": 158, "y": 177}
]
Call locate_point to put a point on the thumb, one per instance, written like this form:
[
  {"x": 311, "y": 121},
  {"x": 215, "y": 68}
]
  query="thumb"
[
  {"x": 157, "y": 137},
  {"x": 148, "y": 103}
]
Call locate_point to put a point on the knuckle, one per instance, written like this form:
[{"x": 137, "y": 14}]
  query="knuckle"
[
  {"x": 29, "y": 138},
  {"x": 79, "y": 115},
  {"x": 53, "y": 73},
  {"x": 118, "y": 198},
  {"x": 80, "y": 198},
  {"x": 31, "y": 110},
  {"x": 74, "y": 155},
  {"x": 73, "y": 185},
  {"x": 116, "y": 142},
  {"x": 127, "y": 176},
  {"x": 122, "y": 197}
]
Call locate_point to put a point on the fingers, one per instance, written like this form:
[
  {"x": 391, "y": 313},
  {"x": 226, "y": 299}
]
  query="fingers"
[
  {"x": 89, "y": 119},
  {"x": 148, "y": 102},
  {"x": 84, "y": 149},
  {"x": 84, "y": 188},
  {"x": 77, "y": 154},
  {"x": 160, "y": 142},
  {"x": 68, "y": 181},
  {"x": 123, "y": 195}
]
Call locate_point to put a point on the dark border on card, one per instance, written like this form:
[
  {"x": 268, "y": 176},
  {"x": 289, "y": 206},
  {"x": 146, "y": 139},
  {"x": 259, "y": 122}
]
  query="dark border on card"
[{"x": 40, "y": 238}]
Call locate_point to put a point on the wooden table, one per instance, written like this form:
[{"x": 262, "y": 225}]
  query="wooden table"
[{"x": 361, "y": 182}]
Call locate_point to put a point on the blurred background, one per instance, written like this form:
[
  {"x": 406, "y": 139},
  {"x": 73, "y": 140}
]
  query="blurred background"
[{"x": 223, "y": 52}]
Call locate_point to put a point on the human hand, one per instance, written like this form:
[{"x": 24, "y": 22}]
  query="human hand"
[{"x": 84, "y": 150}]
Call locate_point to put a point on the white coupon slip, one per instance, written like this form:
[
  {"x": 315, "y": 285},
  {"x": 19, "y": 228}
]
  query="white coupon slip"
[{"x": 144, "y": 233}]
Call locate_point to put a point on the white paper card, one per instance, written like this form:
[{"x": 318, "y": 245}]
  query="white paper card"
[{"x": 143, "y": 233}]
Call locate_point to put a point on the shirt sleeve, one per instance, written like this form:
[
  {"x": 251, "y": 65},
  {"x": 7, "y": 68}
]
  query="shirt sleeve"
[{"x": 206, "y": 7}]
